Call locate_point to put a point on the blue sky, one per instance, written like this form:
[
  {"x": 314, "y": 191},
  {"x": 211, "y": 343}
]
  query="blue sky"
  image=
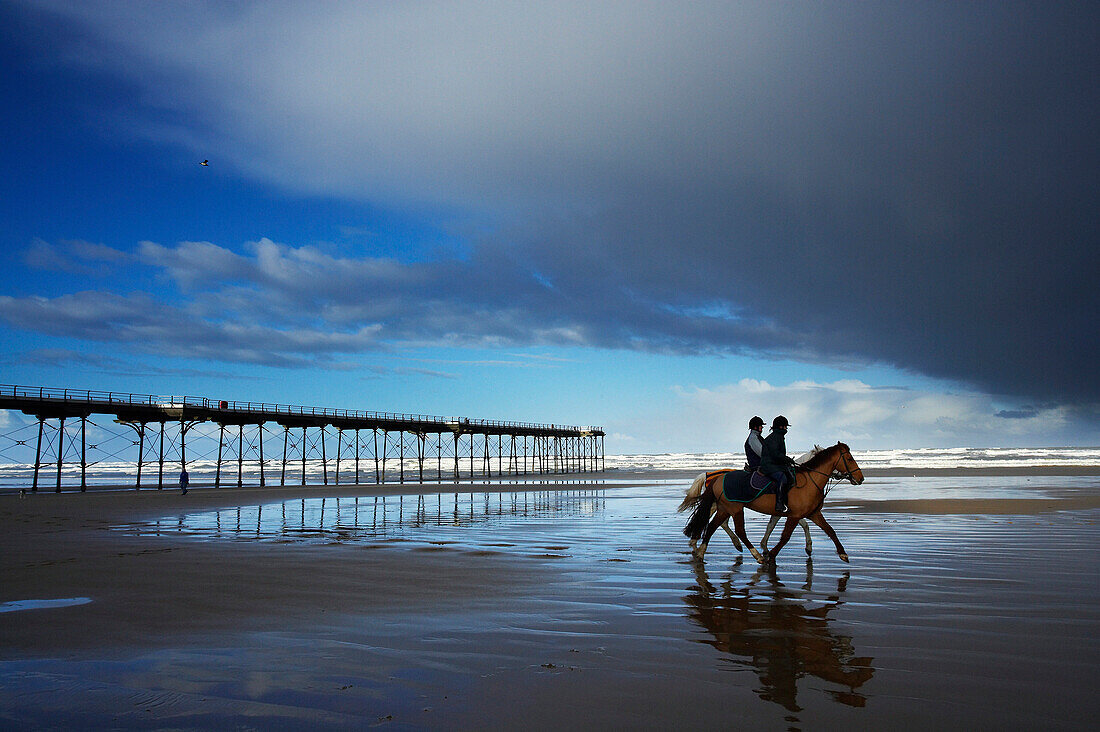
[{"x": 878, "y": 220}]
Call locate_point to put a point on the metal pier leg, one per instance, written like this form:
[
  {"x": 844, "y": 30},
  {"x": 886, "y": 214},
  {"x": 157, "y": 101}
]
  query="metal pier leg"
[
  {"x": 60, "y": 452},
  {"x": 303, "y": 456},
  {"x": 339, "y": 444},
  {"x": 356, "y": 457},
  {"x": 385, "y": 451},
  {"x": 141, "y": 451},
  {"x": 286, "y": 435},
  {"x": 324, "y": 458},
  {"x": 420, "y": 454},
  {"x": 455, "y": 457},
  {"x": 83, "y": 454},
  {"x": 260, "y": 437},
  {"x": 439, "y": 457},
  {"x": 160, "y": 469},
  {"x": 37, "y": 457},
  {"x": 221, "y": 440},
  {"x": 401, "y": 434},
  {"x": 240, "y": 456},
  {"x": 183, "y": 446},
  {"x": 377, "y": 477}
]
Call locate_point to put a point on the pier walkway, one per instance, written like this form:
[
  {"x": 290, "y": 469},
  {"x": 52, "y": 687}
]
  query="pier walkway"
[{"x": 149, "y": 430}]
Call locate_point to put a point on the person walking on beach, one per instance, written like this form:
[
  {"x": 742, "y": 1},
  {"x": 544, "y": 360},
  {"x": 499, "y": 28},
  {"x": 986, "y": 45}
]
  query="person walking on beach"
[
  {"x": 774, "y": 462},
  {"x": 754, "y": 445},
  {"x": 185, "y": 480}
]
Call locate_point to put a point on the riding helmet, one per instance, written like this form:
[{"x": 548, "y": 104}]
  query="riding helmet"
[
  {"x": 780, "y": 421},
  {"x": 756, "y": 423}
]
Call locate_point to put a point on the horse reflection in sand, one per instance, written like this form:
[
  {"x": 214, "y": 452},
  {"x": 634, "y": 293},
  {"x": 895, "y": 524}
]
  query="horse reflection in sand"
[{"x": 781, "y": 634}]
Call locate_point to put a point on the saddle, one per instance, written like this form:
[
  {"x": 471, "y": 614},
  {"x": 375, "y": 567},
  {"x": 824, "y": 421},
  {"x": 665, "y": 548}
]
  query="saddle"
[
  {"x": 744, "y": 486},
  {"x": 760, "y": 482}
]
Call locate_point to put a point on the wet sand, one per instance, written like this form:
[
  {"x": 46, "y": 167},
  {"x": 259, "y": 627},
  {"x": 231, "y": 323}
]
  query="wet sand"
[{"x": 969, "y": 598}]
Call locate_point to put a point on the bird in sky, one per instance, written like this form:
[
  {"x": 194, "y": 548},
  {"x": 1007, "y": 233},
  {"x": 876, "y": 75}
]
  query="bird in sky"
[{"x": 205, "y": 162}]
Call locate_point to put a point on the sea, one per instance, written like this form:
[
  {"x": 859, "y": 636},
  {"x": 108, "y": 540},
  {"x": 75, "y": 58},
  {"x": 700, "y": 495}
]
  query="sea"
[{"x": 203, "y": 470}]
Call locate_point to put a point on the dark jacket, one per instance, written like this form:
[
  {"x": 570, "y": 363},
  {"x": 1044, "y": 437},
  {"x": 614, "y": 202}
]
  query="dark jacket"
[{"x": 774, "y": 458}]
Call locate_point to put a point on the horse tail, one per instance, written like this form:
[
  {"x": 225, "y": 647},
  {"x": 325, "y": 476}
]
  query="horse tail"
[
  {"x": 700, "y": 517},
  {"x": 693, "y": 493}
]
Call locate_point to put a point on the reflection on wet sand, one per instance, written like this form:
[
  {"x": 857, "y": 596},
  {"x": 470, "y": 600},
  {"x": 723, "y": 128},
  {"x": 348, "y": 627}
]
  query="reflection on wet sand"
[
  {"x": 782, "y": 633},
  {"x": 357, "y": 519}
]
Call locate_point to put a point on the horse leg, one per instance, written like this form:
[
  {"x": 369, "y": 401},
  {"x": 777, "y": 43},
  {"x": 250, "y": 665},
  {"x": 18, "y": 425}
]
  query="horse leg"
[
  {"x": 768, "y": 532},
  {"x": 818, "y": 519},
  {"x": 719, "y": 516},
  {"x": 739, "y": 525},
  {"x": 733, "y": 536},
  {"x": 809, "y": 544},
  {"x": 788, "y": 530}
]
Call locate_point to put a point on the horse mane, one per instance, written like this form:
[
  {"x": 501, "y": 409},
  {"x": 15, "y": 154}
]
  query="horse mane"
[{"x": 820, "y": 458}]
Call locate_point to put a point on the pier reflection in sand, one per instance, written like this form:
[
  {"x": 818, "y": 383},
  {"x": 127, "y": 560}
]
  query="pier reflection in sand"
[
  {"x": 783, "y": 634},
  {"x": 362, "y": 519}
]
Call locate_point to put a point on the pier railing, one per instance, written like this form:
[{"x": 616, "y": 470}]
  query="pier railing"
[{"x": 47, "y": 394}]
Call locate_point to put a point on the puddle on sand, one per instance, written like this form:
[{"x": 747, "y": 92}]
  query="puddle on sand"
[
  {"x": 436, "y": 519},
  {"x": 16, "y": 605}
]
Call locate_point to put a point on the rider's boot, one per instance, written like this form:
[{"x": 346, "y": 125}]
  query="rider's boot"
[{"x": 781, "y": 500}]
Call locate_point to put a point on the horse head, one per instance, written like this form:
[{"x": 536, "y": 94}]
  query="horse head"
[{"x": 846, "y": 467}]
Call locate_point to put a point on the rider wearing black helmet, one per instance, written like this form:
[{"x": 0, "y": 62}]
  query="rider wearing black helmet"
[
  {"x": 754, "y": 445},
  {"x": 774, "y": 462}
]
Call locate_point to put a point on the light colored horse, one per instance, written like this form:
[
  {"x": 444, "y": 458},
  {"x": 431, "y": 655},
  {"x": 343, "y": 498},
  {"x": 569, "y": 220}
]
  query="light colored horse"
[
  {"x": 696, "y": 490},
  {"x": 804, "y": 500}
]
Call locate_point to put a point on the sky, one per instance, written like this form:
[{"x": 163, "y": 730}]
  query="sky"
[{"x": 877, "y": 219}]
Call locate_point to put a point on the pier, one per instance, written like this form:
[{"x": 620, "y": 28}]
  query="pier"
[{"x": 316, "y": 443}]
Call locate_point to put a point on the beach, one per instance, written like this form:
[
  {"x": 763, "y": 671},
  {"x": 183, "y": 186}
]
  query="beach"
[{"x": 549, "y": 603}]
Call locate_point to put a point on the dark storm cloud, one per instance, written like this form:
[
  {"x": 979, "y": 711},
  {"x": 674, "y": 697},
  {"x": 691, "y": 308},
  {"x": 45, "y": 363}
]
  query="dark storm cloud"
[{"x": 906, "y": 183}]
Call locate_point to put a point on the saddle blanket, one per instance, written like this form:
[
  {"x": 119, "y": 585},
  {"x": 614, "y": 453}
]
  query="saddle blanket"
[{"x": 744, "y": 486}]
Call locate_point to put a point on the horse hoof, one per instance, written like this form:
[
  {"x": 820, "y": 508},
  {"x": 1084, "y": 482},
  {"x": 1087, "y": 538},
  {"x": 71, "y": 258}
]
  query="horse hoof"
[{"x": 844, "y": 557}]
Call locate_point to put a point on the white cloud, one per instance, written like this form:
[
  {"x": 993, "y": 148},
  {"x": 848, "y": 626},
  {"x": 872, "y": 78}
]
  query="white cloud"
[{"x": 867, "y": 417}]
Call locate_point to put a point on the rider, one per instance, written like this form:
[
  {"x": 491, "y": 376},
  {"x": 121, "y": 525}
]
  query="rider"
[
  {"x": 754, "y": 445},
  {"x": 775, "y": 464}
]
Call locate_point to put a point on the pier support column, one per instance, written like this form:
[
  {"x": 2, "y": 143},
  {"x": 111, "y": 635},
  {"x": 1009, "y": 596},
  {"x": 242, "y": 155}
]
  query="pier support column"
[
  {"x": 455, "y": 457},
  {"x": 286, "y": 436},
  {"x": 303, "y": 456},
  {"x": 83, "y": 454},
  {"x": 339, "y": 444},
  {"x": 160, "y": 460},
  {"x": 218, "y": 471},
  {"x": 385, "y": 449},
  {"x": 420, "y": 453},
  {"x": 37, "y": 456},
  {"x": 324, "y": 458},
  {"x": 377, "y": 477},
  {"x": 240, "y": 456},
  {"x": 60, "y": 453},
  {"x": 260, "y": 438},
  {"x": 141, "y": 453}
]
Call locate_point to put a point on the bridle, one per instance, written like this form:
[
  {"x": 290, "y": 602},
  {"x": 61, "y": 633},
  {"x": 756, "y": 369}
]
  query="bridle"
[
  {"x": 848, "y": 473},
  {"x": 837, "y": 474}
]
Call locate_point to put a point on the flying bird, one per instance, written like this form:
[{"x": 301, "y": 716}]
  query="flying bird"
[{"x": 205, "y": 162}]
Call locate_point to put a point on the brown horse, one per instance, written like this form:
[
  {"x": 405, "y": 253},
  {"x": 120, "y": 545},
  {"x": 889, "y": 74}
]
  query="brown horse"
[{"x": 804, "y": 500}]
